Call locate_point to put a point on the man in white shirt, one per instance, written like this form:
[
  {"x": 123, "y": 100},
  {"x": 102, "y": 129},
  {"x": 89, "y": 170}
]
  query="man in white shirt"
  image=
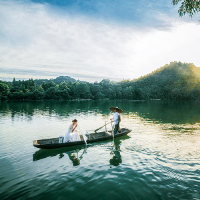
[{"x": 116, "y": 120}]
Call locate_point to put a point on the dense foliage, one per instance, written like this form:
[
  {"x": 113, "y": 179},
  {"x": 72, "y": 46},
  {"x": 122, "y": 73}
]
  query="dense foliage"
[
  {"x": 176, "y": 81},
  {"x": 188, "y": 6}
]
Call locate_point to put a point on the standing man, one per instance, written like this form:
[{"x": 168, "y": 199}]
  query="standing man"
[{"x": 116, "y": 118}]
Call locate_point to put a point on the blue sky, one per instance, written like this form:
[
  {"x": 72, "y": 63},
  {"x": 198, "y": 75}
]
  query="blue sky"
[{"x": 93, "y": 39}]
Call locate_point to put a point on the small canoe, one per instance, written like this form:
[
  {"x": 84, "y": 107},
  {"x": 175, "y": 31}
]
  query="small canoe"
[{"x": 93, "y": 137}]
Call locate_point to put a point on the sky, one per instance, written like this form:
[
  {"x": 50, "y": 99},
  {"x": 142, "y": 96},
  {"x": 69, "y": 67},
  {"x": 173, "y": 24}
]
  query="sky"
[{"x": 91, "y": 40}]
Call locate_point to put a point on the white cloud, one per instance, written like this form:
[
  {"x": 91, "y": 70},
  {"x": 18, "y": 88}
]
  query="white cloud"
[{"x": 39, "y": 43}]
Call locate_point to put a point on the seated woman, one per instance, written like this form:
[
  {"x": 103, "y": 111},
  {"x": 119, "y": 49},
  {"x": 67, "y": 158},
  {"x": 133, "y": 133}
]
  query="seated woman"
[{"x": 72, "y": 133}]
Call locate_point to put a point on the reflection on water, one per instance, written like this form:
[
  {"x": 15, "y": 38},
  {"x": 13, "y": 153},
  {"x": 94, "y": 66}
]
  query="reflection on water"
[
  {"x": 158, "y": 111},
  {"x": 75, "y": 154},
  {"x": 116, "y": 159},
  {"x": 44, "y": 153},
  {"x": 75, "y": 158},
  {"x": 159, "y": 159}
]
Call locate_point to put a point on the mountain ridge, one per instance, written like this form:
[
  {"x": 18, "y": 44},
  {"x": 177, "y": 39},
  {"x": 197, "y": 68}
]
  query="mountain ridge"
[
  {"x": 56, "y": 80},
  {"x": 174, "y": 81}
]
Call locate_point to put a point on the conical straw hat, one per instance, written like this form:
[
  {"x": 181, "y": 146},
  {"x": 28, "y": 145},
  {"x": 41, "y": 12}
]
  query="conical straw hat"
[{"x": 118, "y": 109}]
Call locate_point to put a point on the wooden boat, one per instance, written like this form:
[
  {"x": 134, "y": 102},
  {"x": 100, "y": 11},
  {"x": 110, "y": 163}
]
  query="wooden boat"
[
  {"x": 45, "y": 153},
  {"x": 93, "y": 137}
]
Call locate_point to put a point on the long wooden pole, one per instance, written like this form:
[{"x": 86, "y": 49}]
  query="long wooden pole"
[
  {"x": 113, "y": 133},
  {"x": 101, "y": 127}
]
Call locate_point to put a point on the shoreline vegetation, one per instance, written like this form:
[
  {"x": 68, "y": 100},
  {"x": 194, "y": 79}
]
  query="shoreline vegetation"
[{"x": 175, "y": 81}]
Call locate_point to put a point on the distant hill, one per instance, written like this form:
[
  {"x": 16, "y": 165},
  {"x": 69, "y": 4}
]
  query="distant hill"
[
  {"x": 173, "y": 81},
  {"x": 175, "y": 70},
  {"x": 57, "y": 80},
  {"x": 176, "y": 79}
]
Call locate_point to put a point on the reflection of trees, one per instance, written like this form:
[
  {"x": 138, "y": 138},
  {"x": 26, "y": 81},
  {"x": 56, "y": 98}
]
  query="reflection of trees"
[
  {"x": 63, "y": 108},
  {"x": 161, "y": 111},
  {"x": 167, "y": 112},
  {"x": 18, "y": 109}
]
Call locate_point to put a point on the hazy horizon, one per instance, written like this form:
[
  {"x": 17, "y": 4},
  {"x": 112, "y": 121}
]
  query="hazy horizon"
[{"x": 17, "y": 79}]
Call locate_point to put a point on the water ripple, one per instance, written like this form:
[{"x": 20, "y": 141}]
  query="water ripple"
[{"x": 159, "y": 159}]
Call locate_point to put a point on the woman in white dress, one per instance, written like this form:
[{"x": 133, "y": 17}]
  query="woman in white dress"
[{"x": 72, "y": 133}]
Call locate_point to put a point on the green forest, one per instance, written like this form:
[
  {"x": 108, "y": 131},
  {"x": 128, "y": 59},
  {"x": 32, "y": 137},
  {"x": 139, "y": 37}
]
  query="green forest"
[{"x": 174, "y": 81}]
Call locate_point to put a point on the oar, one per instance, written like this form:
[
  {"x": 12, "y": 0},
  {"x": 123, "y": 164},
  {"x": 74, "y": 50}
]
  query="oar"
[{"x": 101, "y": 127}]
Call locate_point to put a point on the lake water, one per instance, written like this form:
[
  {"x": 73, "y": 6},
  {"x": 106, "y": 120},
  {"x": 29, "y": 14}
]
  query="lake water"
[{"x": 159, "y": 159}]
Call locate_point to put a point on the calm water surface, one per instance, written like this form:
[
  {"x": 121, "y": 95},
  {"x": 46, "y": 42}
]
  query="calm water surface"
[{"x": 159, "y": 159}]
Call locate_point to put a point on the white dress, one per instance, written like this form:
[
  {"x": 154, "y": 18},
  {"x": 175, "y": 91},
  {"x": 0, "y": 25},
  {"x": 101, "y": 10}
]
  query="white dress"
[
  {"x": 72, "y": 136},
  {"x": 67, "y": 135}
]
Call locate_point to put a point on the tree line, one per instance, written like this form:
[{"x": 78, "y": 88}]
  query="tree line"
[{"x": 176, "y": 81}]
